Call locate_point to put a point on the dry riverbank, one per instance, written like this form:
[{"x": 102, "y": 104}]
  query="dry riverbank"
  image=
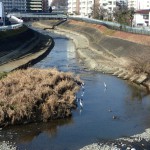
[
  {"x": 22, "y": 47},
  {"x": 123, "y": 58},
  {"x": 107, "y": 61}
]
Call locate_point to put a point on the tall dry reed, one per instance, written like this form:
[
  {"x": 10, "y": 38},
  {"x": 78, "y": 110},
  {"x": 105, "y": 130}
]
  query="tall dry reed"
[{"x": 36, "y": 95}]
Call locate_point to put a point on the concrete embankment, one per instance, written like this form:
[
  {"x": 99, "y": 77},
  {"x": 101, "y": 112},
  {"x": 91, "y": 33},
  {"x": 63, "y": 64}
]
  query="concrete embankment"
[
  {"x": 22, "y": 47},
  {"x": 123, "y": 58}
]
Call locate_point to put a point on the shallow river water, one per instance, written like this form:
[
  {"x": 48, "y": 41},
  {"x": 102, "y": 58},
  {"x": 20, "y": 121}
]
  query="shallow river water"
[{"x": 95, "y": 121}]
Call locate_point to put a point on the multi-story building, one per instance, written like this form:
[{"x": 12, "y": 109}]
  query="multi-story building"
[
  {"x": 139, "y": 4},
  {"x": 85, "y": 7},
  {"x": 45, "y": 5},
  {"x": 81, "y": 7},
  {"x": 49, "y": 2},
  {"x": 14, "y": 5},
  {"x": 26, "y": 5},
  {"x": 73, "y": 6},
  {"x": 121, "y": 3},
  {"x": 109, "y": 5},
  {"x": 142, "y": 12},
  {"x": 141, "y": 18},
  {"x": 34, "y": 5}
]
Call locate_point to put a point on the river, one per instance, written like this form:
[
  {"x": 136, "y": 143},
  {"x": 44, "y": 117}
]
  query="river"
[{"x": 93, "y": 123}]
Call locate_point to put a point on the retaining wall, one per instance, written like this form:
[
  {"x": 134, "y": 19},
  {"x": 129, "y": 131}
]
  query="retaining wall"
[
  {"x": 125, "y": 59},
  {"x": 22, "y": 47}
]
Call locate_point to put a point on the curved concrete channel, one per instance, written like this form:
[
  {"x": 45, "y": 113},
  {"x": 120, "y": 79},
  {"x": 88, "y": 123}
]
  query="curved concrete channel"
[
  {"x": 27, "y": 54},
  {"x": 99, "y": 61},
  {"x": 98, "y": 57},
  {"x": 103, "y": 61},
  {"x": 90, "y": 58}
]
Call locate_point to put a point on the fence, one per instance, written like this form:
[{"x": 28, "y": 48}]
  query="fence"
[
  {"x": 55, "y": 15},
  {"x": 9, "y": 27},
  {"x": 116, "y": 26}
]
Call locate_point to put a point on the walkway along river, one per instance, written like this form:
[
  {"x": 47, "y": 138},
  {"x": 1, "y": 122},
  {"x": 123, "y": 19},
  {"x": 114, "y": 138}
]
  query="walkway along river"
[{"x": 129, "y": 105}]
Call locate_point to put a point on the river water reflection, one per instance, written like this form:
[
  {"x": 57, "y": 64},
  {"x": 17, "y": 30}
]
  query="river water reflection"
[{"x": 95, "y": 121}]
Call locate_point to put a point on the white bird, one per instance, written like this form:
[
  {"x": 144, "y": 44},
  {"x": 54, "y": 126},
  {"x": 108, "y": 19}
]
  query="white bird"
[
  {"x": 82, "y": 84},
  {"x": 109, "y": 110},
  {"x": 105, "y": 85},
  {"x": 81, "y": 104},
  {"x": 77, "y": 100},
  {"x": 82, "y": 94}
]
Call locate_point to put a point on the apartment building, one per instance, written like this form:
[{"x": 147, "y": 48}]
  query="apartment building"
[
  {"x": 109, "y": 5},
  {"x": 139, "y": 4},
  {"x": 14, "y": 5},
  {"x": 81, "y": 7},
  {"x": 49, "y": 2},
  {"x": 34, "y": 5},
  {"x": 73, "y": 7},
  {"x": 25, "y": 5},
  {"x": 45, "y": 5},
  {"x": 86, "y": 7}
]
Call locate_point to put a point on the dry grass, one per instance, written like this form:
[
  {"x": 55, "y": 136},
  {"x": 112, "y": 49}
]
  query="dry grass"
[
  {"x": 141, "y": 39},
  {"x": 36, "y": 95},
  {"x": 3, "y": 74}
]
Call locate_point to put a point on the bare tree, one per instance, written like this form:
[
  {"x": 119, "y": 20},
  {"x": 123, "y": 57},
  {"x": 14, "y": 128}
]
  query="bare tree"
[
  {"x": 123, "y": 15},
  {"x": 98, "y": 12}
]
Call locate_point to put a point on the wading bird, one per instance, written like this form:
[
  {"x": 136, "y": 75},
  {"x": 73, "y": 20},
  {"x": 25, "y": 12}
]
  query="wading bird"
[
  {"x": 105, "y": 85},
  {"x": 82, "y": 94},
  {"x": 81, "y": 104}
]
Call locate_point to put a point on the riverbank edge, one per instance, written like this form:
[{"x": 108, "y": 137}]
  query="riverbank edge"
[
  {"x": 36, "y": 53},
  {"x": 76, "y": 37},
  {"x": 104, "y": 62}
]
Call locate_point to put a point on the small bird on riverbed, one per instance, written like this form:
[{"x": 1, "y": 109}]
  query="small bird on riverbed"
[
  {"x": 82, "y": 94},
  {"x": 115, "y": 117},
  {"x": 81, "y": 104},
  {"x": 105, "y": 85},
  {"x": 82, "y": 85},
  {"x": 109, "y": 110}
]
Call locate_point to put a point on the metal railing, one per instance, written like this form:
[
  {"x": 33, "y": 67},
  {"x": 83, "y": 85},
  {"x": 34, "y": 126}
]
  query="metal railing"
[
  {"x": 9, "y": 27},
  {"x": 116, "y": 26},
  {"x": 40, "y": 15}
]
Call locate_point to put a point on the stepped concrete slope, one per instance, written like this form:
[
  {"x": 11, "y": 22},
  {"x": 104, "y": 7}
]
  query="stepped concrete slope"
[
  {"x": 125, "y": 59},
  {"x": 22, "y": 48}
]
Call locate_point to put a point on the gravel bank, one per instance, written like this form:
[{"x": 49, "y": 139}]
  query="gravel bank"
[
  {"x": 7, "y": 146},
  {"x": 135, "y": 142}
]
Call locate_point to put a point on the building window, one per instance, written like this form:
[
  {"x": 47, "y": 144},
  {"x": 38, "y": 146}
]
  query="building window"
[{"x": 145, "y": 16}]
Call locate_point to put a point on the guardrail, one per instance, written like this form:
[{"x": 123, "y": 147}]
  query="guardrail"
[
  {"x": 40, "y": 15},
  {"x": 116, "y": 26},
  {"x": 9, "y": 27}
]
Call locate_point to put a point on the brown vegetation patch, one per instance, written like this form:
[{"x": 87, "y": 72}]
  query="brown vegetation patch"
[
  {"x": 141, "y": 39},
  {"x": 36, "y": 95}
]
